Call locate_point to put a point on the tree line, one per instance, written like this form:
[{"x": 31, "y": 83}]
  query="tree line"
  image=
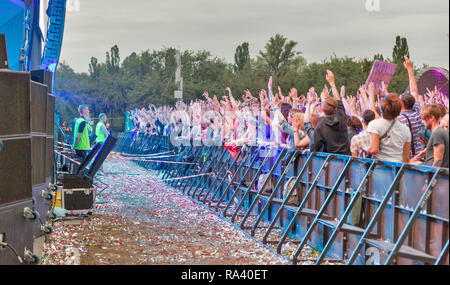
[{"x": 148, "y": 77}]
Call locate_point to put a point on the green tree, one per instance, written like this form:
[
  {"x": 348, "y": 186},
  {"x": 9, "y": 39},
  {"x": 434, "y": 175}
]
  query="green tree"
[
  {"x": 94, "y": 68},
  {"x": 278, "y": 53},
  {"x": 400, "y": 50},
  {"x": 378, "y": 57},
  {"x": 241, "y": 57},
  {"x": 399, "y": 82}
]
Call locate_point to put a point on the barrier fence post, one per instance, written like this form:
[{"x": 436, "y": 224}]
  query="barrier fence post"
[
  {"x": 188, "y": 168},
  {"x": 235, "y": 174},
  {"x": 272, "y": 169},
  {"x": 238, "y": 187},
  {"x": 215, "y": 154},
  {"x": 201, "y": 169},
  {"x": 302, "y": 204},
  {"x": 290, "y": 192},
  {"x": 222, "y": 154},
  {"x": 217, "y": 178},
  {"x": 415, "y": 214},
  {"x": 323, "y": 207},
  {"x": 292, "y": 157},
  {"x": 217, "y": 175},
  {"x": 349, "y": 208},
  {"x": 222, "y": 180}
]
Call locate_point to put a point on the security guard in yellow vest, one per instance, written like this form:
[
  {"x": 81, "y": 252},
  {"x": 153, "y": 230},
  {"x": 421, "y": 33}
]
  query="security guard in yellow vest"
[
  {"x": 100, "y": 130},
  {"x": 82, "y": 132}
]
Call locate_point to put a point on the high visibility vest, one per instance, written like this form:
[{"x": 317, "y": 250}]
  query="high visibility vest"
[
  {"x": 101, "y": 138},
  {"x": 83, "y": 143}
]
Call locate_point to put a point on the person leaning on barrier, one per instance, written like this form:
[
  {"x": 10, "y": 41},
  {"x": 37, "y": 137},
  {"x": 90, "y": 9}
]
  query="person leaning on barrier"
[
  {"x": 437, "y": 151},
  {"x": 331, "y": 133},
  {"x": 411, "y": 117},
  {"x": 293, "y": 126},
  {"x": 82, "y": 129},
  {"x": 361, "y": 142},
  {"x": 100, "y": 130},
  {"x": 410, "y": 114},
  {"x": 390, "y": 139}
]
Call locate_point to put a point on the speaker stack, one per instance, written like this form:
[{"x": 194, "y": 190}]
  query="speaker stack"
[
  {"x": 42, "y": 141},
  {"x": 17, "y": 217}
]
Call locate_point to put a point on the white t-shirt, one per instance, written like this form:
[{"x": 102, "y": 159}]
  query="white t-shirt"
[{"x": 391, "y": 147}]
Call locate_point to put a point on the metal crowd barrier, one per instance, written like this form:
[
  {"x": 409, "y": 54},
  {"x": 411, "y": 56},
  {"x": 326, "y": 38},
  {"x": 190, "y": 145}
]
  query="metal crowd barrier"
[{"x": 358, "y": 211}]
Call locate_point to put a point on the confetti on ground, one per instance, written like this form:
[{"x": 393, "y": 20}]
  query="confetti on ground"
[{"x": 141, "y": 220}]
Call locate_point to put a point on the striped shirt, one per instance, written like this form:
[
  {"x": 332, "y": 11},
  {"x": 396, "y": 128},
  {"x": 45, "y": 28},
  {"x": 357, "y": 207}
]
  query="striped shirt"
[{"x": 415, "y": 117}]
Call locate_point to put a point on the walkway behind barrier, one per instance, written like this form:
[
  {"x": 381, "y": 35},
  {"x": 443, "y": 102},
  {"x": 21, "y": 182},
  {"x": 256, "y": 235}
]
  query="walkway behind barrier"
[{"x": 358, "y": 211}]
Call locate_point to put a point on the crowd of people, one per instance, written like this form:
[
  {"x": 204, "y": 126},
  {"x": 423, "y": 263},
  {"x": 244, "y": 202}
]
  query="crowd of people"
[{"x": 410, "y": 127}]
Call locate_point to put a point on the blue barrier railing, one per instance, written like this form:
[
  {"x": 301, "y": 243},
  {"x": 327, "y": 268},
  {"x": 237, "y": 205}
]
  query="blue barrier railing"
[{"x": 359, "y": 211}]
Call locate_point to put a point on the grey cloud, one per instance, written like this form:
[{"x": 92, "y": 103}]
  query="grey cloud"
[{"x": 320, "y": 27}]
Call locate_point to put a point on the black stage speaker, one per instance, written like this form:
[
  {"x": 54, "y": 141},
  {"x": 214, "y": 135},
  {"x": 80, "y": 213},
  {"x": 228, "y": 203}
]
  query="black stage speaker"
[
  {"x": 49, "y": 163},
  {"x": 83, "y": 165},
  {"x": 15, "y": 169},
  {"x": 38, "y": 132},
  {"x": 103, "y": 153},
  {"x": 43, "y": 76},
  {"x": 14, "y": 103},
  {"x": 46, "y": 77},
  {"x": 38, "y": 159},
  {"x": 38, "y": 108},
  {"x": 50, "y": 115},
  {"x": 40, "y": 113},
  {"x": 17, "y": 219},
  {"x": 15, "y": 230},
  {"x": 15, "y": 133},
  {"x": 3, "y": 52}
]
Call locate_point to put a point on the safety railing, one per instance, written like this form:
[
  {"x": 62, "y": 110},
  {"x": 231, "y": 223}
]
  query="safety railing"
[{"x": 358, "y": 211}]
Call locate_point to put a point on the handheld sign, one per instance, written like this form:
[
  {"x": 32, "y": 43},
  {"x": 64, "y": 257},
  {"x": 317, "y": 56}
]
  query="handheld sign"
[{"x": 382, "y": 71}]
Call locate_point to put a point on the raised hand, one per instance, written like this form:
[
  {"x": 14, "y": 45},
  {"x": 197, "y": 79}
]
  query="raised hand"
[
  {"x": 324, "y": 94},
  {"x": 262, "y": 96},
  {"x": 330, "y": 77},
  {"x": 280, "y": 93},
  {"x": 407, "y": 64},
  {"x": 371, "y": 89},
  {"x": 229, "y": 91},
  {"x": 310, "y": 98},
  {"x": 276, "y": 101},
  {"x": 384, "y": 88},
  {"x": 293, "y": 93},
  {"x": 342, "y": 91},
  {"x": 269, "y": 85},
  {"x": 248, "y": 96}
]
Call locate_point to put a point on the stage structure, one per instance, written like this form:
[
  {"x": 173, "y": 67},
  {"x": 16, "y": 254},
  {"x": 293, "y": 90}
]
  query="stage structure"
[{"x": 433, "y": 76}]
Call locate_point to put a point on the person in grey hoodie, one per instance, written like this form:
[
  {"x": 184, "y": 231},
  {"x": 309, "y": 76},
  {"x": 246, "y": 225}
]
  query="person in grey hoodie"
[{"x": 331, "y": 133}]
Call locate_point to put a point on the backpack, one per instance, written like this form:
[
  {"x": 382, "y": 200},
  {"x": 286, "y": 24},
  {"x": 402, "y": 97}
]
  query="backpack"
[
  {"x": 294, "y": 199},
  {"x": 269, "y": 186}
]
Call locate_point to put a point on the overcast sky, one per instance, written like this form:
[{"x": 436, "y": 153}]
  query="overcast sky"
[{"x": 321, "y": 27}]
